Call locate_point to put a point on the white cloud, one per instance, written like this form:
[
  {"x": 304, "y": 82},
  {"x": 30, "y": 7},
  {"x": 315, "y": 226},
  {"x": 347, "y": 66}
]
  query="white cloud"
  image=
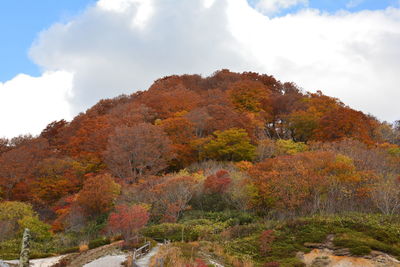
[
  {"x": 354, "y": 3},
  {"x": 110, "y": 55},
  {"x": 120, "y": 46},
  {"x": 271, "y": 7},
  {"x": 28, "y": 104},
  {"x": 353, "y": 56},
  {"x": 117, "y": 5},
  {"x": 143, "y": 9}
]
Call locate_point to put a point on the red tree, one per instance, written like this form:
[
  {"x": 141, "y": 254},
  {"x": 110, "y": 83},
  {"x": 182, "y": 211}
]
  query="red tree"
[
  {"x": 136, "y": 151},
  {"x": 181, "y": 132},
  {"x": 17, "y": 165},
  {"x": 218, "y": 182},
  {"x": 172, "y": 197},
  {"x": 128, "y": 221},
  {"x": 345, "y": 123},
  {"x": 98, "y": 194}
]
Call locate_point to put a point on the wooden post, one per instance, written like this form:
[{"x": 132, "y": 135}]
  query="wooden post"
[
  {"x": 25, "y": 247},
  {"x": 129, "y": 261},
  {"x": 183, "y": 227}
]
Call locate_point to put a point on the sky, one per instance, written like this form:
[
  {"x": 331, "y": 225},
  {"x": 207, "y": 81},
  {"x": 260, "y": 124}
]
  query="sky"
[
  {"x": 58, "y": 58},
  {"x": 20, "y": 23}
]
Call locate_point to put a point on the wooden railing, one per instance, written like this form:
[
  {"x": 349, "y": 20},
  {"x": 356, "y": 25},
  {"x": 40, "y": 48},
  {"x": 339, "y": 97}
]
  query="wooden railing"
[{"x": 143, "y": 250}]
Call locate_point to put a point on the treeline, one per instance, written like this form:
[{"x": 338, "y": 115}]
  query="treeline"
[{"x": 238, "y": 141}]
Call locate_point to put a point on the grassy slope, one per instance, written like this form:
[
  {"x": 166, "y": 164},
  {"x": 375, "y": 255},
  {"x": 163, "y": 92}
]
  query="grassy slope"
[
  {"x": 231, "y": 237},
  {"x": 241, "y": 239}
]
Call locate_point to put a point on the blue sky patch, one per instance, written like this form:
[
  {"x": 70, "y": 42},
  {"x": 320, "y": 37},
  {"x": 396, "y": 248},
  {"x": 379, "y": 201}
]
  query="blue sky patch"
[
  {"x": 20, "y": 23},
  {"x": 333, "y": 6},
  {"x": 22, "y": 20}
]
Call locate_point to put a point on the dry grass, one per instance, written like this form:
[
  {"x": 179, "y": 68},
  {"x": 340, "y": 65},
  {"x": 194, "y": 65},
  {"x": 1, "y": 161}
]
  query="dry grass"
[
  {"x": 188, "y": 254},
  {"x": 179, "y": 255},
  {"x": 219, "y": 251},
  {"x": 83, "y": 247},
  {"x": 169, "y": 256}
]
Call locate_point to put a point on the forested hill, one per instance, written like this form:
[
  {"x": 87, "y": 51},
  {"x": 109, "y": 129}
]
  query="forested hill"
[
  {"x": 189, "y": 116},
  {"x": 232, "y": 141}
]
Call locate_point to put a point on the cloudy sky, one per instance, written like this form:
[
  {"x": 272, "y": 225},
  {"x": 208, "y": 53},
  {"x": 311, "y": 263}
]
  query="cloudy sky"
[{"x": 57, "y": 58}]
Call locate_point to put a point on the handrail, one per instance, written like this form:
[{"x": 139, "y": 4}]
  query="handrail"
[
  {"x": 141, "y": 251},
  {"x": 144, "y": 246},
  {"x": 137, "y": 253}
]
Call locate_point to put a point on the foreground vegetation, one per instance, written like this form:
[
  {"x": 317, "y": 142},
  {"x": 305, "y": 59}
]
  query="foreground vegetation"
[
  {"x": 259, "y": 241},
  {"x": 241, "y": 239}
]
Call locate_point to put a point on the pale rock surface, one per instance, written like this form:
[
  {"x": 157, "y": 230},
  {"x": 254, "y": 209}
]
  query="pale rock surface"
[{"x": 326, "y": 258}]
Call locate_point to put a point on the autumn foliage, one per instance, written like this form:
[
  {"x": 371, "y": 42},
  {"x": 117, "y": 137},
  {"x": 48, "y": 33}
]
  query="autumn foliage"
[
  {"x": 243, "y": 141},
  {"x": 173, "y": 196},
  {"x": 128, "y": 220},
  {"x": 136, "y": 151},
  {"x": 98, "y": 194},
  {"x": 218, "y": 182}
]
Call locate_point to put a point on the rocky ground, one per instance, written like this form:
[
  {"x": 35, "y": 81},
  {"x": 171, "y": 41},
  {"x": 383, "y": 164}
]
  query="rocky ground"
[
  {"x": 327, "y": 258},
  {"x": 326, "y": 255}
]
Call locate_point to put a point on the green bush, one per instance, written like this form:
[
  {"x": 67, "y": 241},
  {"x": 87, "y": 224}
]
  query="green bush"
[
  {"x": 347, "y": 243},
  {"x": 10, "y": 249},
  {"x": 192, "y": 230},
  {"x": 170, "y": 231},
  {"x": 69, "y": 250},
  {"x": 230, "y": 216},
  {"x": 13, "y": 210},
  {"x": 380, "y": 227},
  {"x": 360, "y": 233},
  {"x": 40, "y": 255},
  {"x": 282, "y": 250},
  {"x": 66, "y": 240},
  {"x": 98, "y": 242},
  {"x": 241, "y": 218},
  {"x": 211, "y": 202},
  {"x": 9, "y": 256},
  {"x": 291, "y": 262},
  {"x": 240, "y": 231},
  {"x": 382, "y": 235},
  {"x": 173, "y": 231},
  {"x": 21, "y": 216},
  {"x": 245, "y": 246},
  {"x": 94, "y": 227},
  {"x": 376, "y": 245},
  {"x": 40, "y": 231},
  {"x": 360, "y": 251}
]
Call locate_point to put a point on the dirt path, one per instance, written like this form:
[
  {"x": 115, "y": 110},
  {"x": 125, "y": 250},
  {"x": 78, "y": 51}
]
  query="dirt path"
[
  {"x": 94, "y": 254},
  {"x": 145, "y": 260},
  {"x": 105, "y": 256},
  {"x": 46, "y": 262},
  {"x": 107, "y": 261}
]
